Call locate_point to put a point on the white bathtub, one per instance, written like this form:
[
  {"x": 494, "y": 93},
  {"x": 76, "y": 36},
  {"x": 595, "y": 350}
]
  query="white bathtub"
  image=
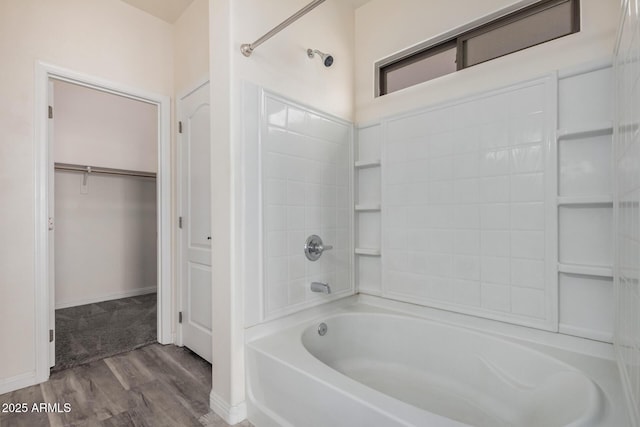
[{"x": 378, "y": 368}]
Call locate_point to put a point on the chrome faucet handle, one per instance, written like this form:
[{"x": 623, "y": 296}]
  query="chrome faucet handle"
[{"x": 313, "y": 247}]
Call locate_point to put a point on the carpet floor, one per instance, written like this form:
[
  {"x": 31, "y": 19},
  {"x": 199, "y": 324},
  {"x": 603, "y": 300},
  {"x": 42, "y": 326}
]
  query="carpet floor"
[{"x": 92, "y": 332}]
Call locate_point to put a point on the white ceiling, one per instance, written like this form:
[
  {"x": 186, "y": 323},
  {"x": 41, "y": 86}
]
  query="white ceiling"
[
  {"x": 357, "y": 3},
  {"x": 170, "y": 10},
  {"x": 167, "y": 10}
]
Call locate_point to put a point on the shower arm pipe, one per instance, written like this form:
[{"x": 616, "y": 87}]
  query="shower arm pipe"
[{"x": 247, "y": 49}]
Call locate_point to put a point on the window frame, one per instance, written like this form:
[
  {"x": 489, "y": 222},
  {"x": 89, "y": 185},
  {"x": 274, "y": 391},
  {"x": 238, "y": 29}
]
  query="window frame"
[
  {"x": 460, "y": 36},
  {"x": 413, "y": 58}
]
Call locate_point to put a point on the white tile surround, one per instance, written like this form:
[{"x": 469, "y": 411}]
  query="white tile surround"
[
  {"x": 467, "y": 219},
  {"x": 477, "y": 230},
  {"x": 582, "y": 197},
  {"x": 627, "y": 200},
  {"x": 306, "y": 180}
]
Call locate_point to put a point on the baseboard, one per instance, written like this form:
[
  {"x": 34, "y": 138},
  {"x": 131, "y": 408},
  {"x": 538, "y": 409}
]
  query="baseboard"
[
  {"x": 107, "y": 297},
  {"x": 17, "y": 382},
  {"x": 232, "y": 415}
]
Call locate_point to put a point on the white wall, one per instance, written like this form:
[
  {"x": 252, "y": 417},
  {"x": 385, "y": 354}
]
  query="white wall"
[
  {"x": 627, "y": 208},
  {"x": 191, "y": 46},
  {"x": 280, "y": 65},
  {"x": 106, "y": 244},
  {"x": 383, "y": 28},
  {"x": 227, "y": 394},
  {"x": 95, "y": 128},
  {"x": 104, "y": 38}
]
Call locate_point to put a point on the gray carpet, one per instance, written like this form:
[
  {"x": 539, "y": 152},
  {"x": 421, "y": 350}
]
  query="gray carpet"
[{"x": 95, "y": 331}]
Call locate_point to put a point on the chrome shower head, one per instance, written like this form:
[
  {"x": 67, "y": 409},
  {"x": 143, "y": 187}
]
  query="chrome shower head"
[{"x": 327, "y": 59}]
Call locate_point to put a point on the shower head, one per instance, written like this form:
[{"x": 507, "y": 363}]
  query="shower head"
[{"x": 327, "y": 59}]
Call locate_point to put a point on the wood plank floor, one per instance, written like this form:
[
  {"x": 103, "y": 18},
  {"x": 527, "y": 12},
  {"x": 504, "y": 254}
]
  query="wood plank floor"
[{"x": 154, "y": 386}]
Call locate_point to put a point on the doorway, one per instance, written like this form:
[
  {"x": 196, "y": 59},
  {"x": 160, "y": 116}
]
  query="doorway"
[
  {"x": 45, "y": 219},
  {"x": 104, "y": 206}
]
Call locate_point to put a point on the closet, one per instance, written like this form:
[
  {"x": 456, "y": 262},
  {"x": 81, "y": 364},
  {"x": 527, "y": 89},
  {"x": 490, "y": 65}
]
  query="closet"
[{"x": 105, "y": 204}]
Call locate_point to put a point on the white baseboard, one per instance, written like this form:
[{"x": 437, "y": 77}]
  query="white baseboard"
[
  {"x": 17, "y": 382},
  {"x": 107, "y": 297},
  {"x": 232, "y": 415}
]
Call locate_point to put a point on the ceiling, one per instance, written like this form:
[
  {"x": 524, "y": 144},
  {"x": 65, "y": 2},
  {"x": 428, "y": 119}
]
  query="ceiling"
[
  {"x": 170, "y": 10},
  {"x": 167, "y": 10},
  {"x": 357, "y": 3}
]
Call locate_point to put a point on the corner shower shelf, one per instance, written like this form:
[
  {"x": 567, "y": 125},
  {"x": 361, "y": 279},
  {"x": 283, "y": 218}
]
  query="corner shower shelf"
[
  {"x": 628, "y": 127},
  {"x": 586, "y": 270},
  {"x": 370, "y": 207},
  {"x": 362, "y": 164},
  {"x": 604, "y": 128},
  {"x": 603, "y": 199},
  {"x": 368, "y": 252}
]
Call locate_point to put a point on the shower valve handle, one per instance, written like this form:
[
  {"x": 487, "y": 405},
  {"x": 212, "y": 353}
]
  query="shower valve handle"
[{"x": 313, "y": 247}]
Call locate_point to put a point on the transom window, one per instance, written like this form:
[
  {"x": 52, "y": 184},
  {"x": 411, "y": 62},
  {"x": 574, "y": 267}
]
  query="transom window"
[{"x": 539, "y": 23}]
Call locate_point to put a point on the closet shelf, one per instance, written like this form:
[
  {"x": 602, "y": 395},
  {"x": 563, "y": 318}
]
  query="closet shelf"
[
  {"x": 604, "y": 128},
  {"x": 369, "y": 207},
  {"x": 604, "y": 199},
  {"x": 362, "y": 164},
  {"x": 586, "y": 270},
  {"x": 368, "y": 252},
  {"x": 97, "y": 169}
]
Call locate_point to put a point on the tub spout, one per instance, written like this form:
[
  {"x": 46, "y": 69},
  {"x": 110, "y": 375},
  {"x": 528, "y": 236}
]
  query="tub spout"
[{"x": 320, "y": 287}]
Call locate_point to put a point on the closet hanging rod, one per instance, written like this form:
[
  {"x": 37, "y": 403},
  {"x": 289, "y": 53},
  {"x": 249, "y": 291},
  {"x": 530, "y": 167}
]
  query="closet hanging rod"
[
  {"x": 107, "y": 171},
  {"x": 247, "y": 49}
]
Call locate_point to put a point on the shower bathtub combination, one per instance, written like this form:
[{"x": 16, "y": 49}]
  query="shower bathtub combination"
[
  {"x": 461, "y": 288},
  {"x": 362, "y": 363},
  {"x": 390, "y": 356}
]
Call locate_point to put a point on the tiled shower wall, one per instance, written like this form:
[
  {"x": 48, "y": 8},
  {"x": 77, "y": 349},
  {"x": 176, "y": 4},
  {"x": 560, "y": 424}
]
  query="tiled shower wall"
[
  {"x": 627, "y": 176},
  {"x": 456, "y": 217},
  {"x": 306, "y": 181},
  {"x": 467, "y": 220}
]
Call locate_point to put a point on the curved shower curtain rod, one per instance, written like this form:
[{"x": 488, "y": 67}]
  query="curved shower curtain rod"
[{"x": 247, "y": 49}]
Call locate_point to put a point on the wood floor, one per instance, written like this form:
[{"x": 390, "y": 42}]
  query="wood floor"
[{"x": 153, "y": 386}]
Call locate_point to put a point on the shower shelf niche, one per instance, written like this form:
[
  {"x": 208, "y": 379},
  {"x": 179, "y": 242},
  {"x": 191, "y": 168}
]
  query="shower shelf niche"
[
  {"x": 368, "y": 252},
  {"x": 584, "y": 203},
  {"x": 585, "y": 270},
  {"x": 363, "y": 164},
  {"x": 369, "y": 207},
  {"x": 604, "y": 199},
  {"x": 603, "y": 128}
]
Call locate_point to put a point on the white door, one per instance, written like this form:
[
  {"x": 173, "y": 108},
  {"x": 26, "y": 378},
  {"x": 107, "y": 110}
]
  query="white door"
[{"x": 195, "y": 212}]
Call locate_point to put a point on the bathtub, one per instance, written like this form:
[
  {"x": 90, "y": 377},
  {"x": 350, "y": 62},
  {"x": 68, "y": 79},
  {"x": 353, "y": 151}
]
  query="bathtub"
[{"x": 365, "y": 366}]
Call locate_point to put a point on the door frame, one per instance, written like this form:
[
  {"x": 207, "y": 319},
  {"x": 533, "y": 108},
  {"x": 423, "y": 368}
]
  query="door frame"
[
  {"x": 179, "y": 207},
  {"x": 43, "y": 150}
]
